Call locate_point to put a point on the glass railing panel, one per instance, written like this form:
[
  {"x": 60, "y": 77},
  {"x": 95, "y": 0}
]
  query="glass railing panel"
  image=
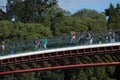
[{"x": 58, "y": 42}]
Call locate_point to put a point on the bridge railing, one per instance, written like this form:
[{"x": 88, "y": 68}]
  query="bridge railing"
[{"x": 60, "y": 41}]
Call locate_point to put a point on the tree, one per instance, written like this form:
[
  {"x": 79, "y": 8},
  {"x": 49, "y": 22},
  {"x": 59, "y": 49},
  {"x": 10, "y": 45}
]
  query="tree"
[
  {"x": 86, "y": 13},
  {"x": 19, "y": 31},
  {"x": 93, "y": 19},
  {"x": 2, "y": 15},
  {"x": 113, "y": 14},
  {"x": 54, "y": 14},
  {"x": 111, "y": 11},
  {"x": 22, "y": 10}
]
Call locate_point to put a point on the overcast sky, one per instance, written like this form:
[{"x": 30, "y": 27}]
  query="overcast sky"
[{"x": 75, "y": 5}]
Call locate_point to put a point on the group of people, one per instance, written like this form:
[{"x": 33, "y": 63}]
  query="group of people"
[
  {"x": 82, "y": 39},
  {"x": 38, "y": 43},
  {"x": 111, "y": 37},
  {"x": 87, "y": 38}
]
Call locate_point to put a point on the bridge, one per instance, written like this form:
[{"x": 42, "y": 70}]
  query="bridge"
[{"x": 60, "y": 54}]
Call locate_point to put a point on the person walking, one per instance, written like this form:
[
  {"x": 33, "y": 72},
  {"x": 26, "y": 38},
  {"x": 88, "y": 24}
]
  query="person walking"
[
  {"x": 81, "y": 39},
  {"x": 100, "y": 39},
  {"x": 37, "y": 44},
  {"x": 72, "y": 38},
  {"x": 89, "y": 38},
  {"x": 45, "y": 41},
  {"x": 3, "y": 46},
  {"x": 12, "y": 46},
  {"x": 110, "y": 36}
]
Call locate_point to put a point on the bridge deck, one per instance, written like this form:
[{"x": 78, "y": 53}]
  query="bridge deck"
[{"x": 59, "y": 49}]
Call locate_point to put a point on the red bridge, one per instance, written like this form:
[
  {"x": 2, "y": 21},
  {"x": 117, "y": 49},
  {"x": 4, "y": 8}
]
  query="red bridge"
[{"x": 61, "y": 58}]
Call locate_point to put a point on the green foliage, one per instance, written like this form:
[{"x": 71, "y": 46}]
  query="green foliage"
[
  {"x": 36, "y": 30},
  {"x": 2, "y": 15},
  {"x": 46, "y": 19},
  {"x": 94, "y": 20},
  {"x": 69, "y": 23},
  {"x": 110, "y": 11},
  {"x": 113, "y": 14},
  {"x": 86, "y": 13},
  {"x": 96, "y": 25},
  {"x": 20, "y": 31},
  {"x": 82, "y": 75},
  {"x": 24, "y": 76},
  {"x": 4, "y": 29},
  {"x": 22, "y": 10},
  {"x": 99, "y": 73},
  {"x": 114, "y": 22}
]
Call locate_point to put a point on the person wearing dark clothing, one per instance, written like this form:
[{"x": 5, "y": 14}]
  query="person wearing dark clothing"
[
  {"x": 72, "y": 38},
  {"x": 37, "y": 44},
  {"x": 81, "y": 39},
  {"x": 89, "y": 38},
  {"x": 110, "y": 37},
  {"x": 12, "y": 49}
]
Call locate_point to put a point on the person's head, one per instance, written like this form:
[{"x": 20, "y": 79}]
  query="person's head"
[
  {"x": 73, "y": 32},
  {"x": 36, "y": 38},
  {"x": 109, "y": 29},
  {"x": 83, "y": 31},
  {"x": 45, "y": 35}
]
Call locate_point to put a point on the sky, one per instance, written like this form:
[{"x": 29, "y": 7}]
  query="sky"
[
  {"x": 2, "y": 4},
  {"x": 75, "y": 5}
]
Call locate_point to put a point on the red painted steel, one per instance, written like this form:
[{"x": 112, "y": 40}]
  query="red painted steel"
[
  {"x": 61, "y": 67},
  {"x": 91, "y": 57}
]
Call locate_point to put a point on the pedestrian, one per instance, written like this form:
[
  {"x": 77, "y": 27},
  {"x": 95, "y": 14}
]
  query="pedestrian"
[
  {"x": 3, "y": 46},
  {"x": 100, "y": 39},
  {"x": 12, "y": 48},
  {"x": 89, "y": 38},
  {"x": 45, "y": 41},
  {"x": 110, "y": 37},
  {"x": 81, "y": 38},
  {"x": 37, "y": 44},
  {"x": 72, "y": 38}
]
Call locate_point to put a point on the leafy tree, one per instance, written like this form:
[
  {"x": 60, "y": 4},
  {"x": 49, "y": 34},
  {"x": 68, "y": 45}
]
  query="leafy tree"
[
  {"x": 69, "y": 23},
  {"x": 4, "y": 30},
  {"x": 19, "y": 31},
  {"x": 86, "y": 13},
  {"x": 111, "y": 11},
  {"x": 113, "y": 14},
  {"x": 82, "y": 75},
  {"x": 116, "y": 73},
  {"x": 54, "y": 14},
  {"x": 2, "y": 15},
  {"x": 93, "y": 19},
  {"x": 21, "y": 10}
]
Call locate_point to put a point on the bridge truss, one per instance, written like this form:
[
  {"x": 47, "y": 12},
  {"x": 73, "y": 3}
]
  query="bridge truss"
[{"x": 71, "y": 57}]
